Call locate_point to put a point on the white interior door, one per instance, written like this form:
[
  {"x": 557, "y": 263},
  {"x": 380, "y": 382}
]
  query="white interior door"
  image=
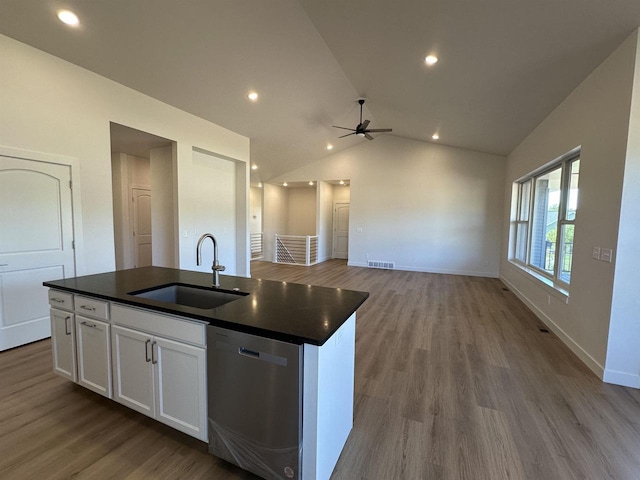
[
  {"x": 141, "y": 198},
  {"x": 36, "y": 244},
  {"x": 341, "y": 230}
]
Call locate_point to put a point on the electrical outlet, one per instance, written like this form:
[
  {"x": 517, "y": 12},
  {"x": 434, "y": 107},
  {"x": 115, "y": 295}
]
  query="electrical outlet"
[
  {"x": 595, "y": 253},
  {"x": 606, "y": 254}
]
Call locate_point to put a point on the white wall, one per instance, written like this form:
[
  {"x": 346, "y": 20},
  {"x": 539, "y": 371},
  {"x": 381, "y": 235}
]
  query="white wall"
[
  {"x": 213, "y": 191},
  {"x": 127, "y": 171},
  {"x": 49, "y": 105},
  {"x": 276, "y": 208},
  {"x": 341, "y": 194},
  {"x": 163, "y": 207},
  {"x": 302, "y": 211},
  {"x": 596, "y": 116},
  {"x": 255, "y": 210},
  {"x": 623, "y": 354},
  {"x": 325, "y": 194},
  {"x": 425, "y": 206}
]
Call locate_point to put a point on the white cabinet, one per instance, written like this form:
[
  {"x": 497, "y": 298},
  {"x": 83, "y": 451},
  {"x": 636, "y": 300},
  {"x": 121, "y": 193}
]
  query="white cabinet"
[
  {"x": 133, "y": 382},
  {"x": 93, "y": 347},
  {"x": 158, "y": 376},
  {"x": 80, "y": 341},
  {"x": 180, "y": 386},
  {"x": 93, "y": 344},
  {"x": 63, "y": 344}
]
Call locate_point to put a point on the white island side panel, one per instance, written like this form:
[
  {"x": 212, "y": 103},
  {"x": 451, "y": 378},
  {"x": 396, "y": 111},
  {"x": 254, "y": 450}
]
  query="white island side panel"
[{"x": 328, "y": 401}]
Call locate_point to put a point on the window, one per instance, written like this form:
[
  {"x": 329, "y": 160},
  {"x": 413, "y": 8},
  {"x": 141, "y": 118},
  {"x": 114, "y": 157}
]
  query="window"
[{"x": 544, "y": 219}]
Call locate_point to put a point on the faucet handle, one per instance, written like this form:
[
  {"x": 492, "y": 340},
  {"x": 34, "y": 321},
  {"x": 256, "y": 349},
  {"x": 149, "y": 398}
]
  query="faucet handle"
[{"x": 219, "y": 268}]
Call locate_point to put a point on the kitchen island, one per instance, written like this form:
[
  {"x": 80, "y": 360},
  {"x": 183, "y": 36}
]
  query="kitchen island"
[{"x": 111, "y": 335}]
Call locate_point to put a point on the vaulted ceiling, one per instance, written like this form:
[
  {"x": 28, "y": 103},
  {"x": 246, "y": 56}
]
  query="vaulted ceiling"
[{"x": 504, "y": 64}]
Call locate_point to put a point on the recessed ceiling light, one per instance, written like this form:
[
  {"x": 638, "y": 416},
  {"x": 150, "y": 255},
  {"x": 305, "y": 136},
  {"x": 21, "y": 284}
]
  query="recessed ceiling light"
[
  {"x": 341, "y": 182},
  {"x": 260, "y": 185},
  {"x": 254, "y": 167},
  {"x": 253, "y": 96},
  {"x": 431, "y": 59},
  {"x": 285, "y": 184},
  {"x": 435, "y": 136},
  {"x": 329, "y": 146},
  {"x": 311, "y": 183},
  {"x": 68, "y": 17}
]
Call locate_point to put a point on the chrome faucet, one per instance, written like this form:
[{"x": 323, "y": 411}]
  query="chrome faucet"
[{"x": 216, "y": 267}]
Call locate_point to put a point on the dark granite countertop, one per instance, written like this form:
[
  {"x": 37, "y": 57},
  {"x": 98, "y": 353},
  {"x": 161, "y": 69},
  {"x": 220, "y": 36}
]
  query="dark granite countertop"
[{"x": 284, "y": 311}]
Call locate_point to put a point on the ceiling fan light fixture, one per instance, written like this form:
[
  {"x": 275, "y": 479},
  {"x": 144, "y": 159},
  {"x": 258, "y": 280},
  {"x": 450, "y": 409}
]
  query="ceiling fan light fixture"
[{"x": 362, "y": 129}]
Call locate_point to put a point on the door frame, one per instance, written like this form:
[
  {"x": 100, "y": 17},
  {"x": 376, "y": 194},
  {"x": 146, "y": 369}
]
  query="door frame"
[
  {"x": 131, "y": 241},
  {"x": 76, "y": 206},
  {"x": 333, "y": 229}
]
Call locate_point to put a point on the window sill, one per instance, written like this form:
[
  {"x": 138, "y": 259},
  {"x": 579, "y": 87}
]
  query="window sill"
[{"x": 560, "y": 293}]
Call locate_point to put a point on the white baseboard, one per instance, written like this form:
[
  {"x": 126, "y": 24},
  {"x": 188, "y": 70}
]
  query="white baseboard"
[
  {"x": 581, "y": 353},
  {"x": 410, "y": 268},
  {"x": 622, "y": 378}
]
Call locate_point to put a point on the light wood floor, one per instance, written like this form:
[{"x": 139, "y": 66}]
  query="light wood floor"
[{"x": 454, "y": 380}]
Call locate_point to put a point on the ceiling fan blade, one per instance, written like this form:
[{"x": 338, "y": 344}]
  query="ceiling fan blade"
[
  {"x": 365, "y": 124},
  {"x": 380, "y": 130},
  {"x": 343, "y": 128},
  {"x": 347, "y": 135},
  {"x": 367, "y": 136}
]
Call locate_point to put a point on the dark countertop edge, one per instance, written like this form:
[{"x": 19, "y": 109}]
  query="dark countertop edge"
[{"x": 209, "y": 321}]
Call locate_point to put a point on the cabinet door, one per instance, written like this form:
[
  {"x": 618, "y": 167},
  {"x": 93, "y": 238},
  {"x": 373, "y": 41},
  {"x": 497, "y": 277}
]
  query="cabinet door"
[
  {"x": 93, "y": 352},
  {"x": 63, "y": 344},
  {"x": 132, "y": 370},
  {"x": 181, "y": 393}
]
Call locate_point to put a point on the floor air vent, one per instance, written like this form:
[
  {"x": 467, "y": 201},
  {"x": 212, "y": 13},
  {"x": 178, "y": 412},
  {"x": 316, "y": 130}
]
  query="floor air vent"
[{"x": 384, "y": 265}]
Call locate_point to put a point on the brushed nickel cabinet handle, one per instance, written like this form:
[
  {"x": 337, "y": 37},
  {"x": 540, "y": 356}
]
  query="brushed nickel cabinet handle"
[
  {"x": 67, "y": 328},
  {"x": 89, "y": 325},
  {"x": 154, "y": 355},
  {"x": 146, "y": 350},
  {"x": 56, "y": 300},
  {"x": 91, "y": 309}
]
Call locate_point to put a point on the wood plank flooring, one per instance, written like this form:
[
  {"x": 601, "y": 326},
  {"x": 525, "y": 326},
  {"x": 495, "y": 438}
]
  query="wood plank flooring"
[{"x": 454, "y": 380}]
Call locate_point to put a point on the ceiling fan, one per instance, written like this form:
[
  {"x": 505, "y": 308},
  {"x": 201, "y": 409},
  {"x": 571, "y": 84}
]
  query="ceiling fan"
[{"x": 361, "y": 130}]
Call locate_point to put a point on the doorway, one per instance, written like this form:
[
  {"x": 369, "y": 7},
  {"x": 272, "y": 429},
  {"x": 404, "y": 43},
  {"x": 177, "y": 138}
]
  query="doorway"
[
  {"x": 144, "y": 204},
  {"x": 341, "y": 230},
  {"x": 36, "y": 244}
]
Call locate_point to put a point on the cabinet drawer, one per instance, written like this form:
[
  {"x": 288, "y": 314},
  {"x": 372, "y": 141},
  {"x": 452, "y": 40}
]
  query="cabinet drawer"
[
  {"x": 189, "y": 331},
  {"x": 90, "y": 306},
  {"x": 63, "y": 300}
]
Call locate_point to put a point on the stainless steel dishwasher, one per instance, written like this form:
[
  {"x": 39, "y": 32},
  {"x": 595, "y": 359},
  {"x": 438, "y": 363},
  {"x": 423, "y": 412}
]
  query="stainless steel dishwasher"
[{"x": 255, "y": 402}]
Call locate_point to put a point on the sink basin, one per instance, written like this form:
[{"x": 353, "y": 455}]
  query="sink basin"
[{"x": 190, "y": 295}]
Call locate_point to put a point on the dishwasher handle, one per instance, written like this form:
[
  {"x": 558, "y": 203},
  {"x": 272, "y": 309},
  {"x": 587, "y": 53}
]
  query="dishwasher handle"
[
  {"x": 263, "y": 356},
  {"x": 248, "y": 353}
]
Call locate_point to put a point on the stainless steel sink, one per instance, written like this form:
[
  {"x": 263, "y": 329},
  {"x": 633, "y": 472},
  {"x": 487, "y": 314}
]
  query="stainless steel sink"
[{"x": 190, "y": 295}]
